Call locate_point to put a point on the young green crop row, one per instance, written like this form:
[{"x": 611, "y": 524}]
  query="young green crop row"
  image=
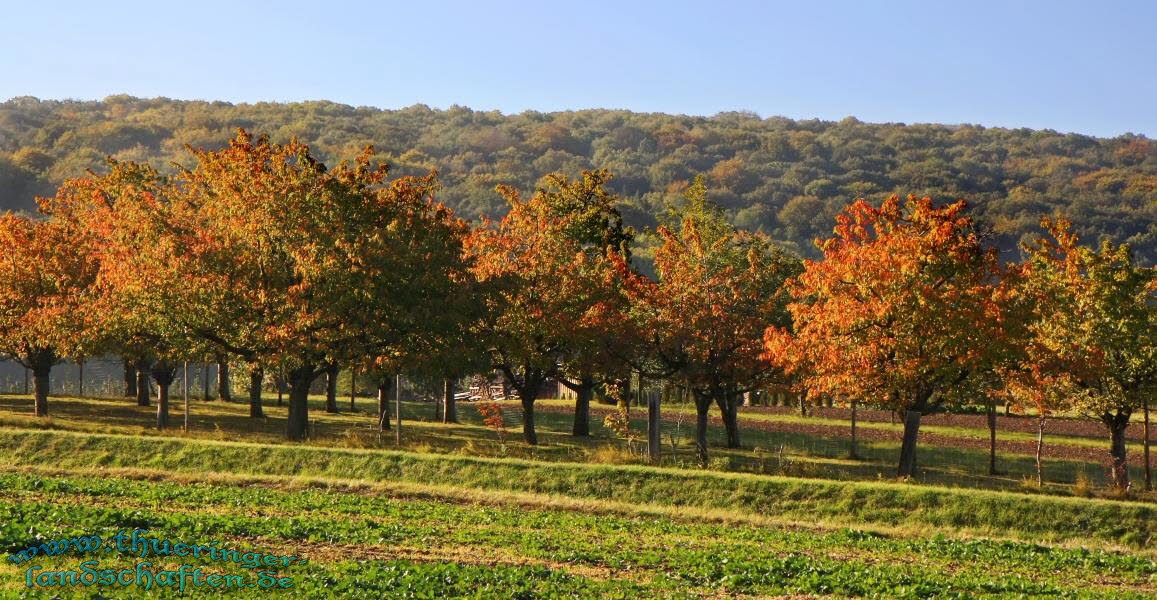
[{"x": 364, "y": 543}]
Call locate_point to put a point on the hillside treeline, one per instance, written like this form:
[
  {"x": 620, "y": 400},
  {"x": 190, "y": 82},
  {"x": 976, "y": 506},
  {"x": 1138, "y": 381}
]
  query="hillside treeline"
[{"x": 787, "y": 178}]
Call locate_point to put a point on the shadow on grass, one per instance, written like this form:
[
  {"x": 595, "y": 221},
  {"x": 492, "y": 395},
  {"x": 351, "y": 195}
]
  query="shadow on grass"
[{"x": 763, "y": 451}]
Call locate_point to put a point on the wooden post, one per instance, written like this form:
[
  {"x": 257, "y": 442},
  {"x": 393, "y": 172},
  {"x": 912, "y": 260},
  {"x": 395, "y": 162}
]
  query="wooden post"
[
  {"x": 1148, "y": 469},
  {"x": 185, "y": 391},
  {"x": 398, "y": 405},
  {"x": 205, "y": 379},
  {"x": 854, "y": 454},
  {"x": 449, "y": 403},
  {"x": 991, "y": 437}
]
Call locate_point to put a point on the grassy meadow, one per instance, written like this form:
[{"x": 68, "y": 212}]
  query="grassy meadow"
[{"x": 463, "y": 510}]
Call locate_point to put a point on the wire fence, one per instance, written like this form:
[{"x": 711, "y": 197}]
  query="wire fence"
[
  {"x": 103, "y": 378},
  {"x": 804, "y": 447}
]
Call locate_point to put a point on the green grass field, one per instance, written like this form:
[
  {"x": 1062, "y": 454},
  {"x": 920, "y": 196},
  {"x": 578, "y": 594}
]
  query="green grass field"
[{"x": 454, "y": 512}]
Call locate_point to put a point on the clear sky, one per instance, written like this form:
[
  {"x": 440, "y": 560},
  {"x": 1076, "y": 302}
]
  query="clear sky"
[{"x": 1088, "y": 66}]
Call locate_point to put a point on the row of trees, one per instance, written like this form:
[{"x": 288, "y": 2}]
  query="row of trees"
[
  {"x": 260, "y": 253},
  {"x": 910, "y": 308}
]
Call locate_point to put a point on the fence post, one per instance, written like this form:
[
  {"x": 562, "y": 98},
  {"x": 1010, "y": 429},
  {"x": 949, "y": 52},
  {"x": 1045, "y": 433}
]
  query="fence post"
[
  {"x": 653, "y": 425},
  {"x": 398, "y": 404},
  {"x": 185, "y": 391}
]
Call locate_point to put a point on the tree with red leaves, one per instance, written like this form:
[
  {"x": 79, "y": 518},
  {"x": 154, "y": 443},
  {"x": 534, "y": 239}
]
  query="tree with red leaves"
[
  {"x": 900, "y": 311},
  {"x": 551, "y": 268},
  {"x": 46, "y": 279},
  {"x": 703, "y": 319}
]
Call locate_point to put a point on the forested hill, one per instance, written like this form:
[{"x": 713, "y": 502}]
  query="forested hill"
[{"x": 786, "y": 177}]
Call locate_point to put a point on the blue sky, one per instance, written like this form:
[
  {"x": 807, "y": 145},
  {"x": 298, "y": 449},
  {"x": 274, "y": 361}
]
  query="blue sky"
[{"x": 1089, "y": 67}]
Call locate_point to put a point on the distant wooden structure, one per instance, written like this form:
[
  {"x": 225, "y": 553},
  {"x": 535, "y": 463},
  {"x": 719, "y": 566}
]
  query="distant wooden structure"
[{"x": 495, "y": 388}]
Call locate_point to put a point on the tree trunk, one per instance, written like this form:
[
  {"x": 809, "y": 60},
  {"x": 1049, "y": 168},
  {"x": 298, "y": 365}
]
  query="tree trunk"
[
  {"x": 1117, "y": 424},
  {"x": 992, "y": 438},
  {"x": 582, "y": 407},
  {"x": 702, "y": 405},
  {"x": 162, "y": 406},
  {"x": 224, "y": 389},
  {"x": 143, "y": 369},
  {"x": 256, "y": 378},
  {"x": 40, "y": 381},
  {"x": 852, "y": 452},
  {"x": 1145, "y": 446},
  {"x": 532, "y": 381},
  {"x": 353, "y": 389},
  {"x": 449, "y": 404},
  {"x": 331, "y": 373},
  {"x": 80, "y": 377},
  {"x": 384, "y": 385},
  {"x": 300, "y": 380},
  {"x": 654, "y": 441},
  {"x": 529, "y": 435},
  {"x": 1040, "y": 442},
  {"x": 803, "y": 405},
  {"x": 907, "y": 465},
  {"x": 728, "y": 409},
  {"x": 130, "y": 375},
  {"x": 163, "y": 374}
]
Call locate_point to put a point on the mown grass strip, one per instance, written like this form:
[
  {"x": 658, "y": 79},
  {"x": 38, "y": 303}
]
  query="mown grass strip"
[{"x": 851, "y": 503}]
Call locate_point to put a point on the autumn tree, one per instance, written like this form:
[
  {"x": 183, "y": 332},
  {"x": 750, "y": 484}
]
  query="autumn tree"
[
  {"x": 269, "y": 256},
  {"x": 717, "y": 290},
  {"x": 899, "y": 311},
  {"x": 550, "y": 264},
  {"x": 127, "y": 217},
  {"x": 593, "y": 354},
  {"x": 1094, "y": 331},
  {"x": 46, "y": 278},
  {"x": 435, "y": 337},
  {"x": 320, "y": 266}
]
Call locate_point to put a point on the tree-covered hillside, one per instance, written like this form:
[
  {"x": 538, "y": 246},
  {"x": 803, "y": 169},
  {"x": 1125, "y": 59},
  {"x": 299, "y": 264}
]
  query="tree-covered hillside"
[{"x": 786, "y": 177}]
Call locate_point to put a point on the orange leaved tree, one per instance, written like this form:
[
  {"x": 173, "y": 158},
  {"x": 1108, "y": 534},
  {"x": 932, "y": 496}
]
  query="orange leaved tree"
[
  {"x": 703, "y": 319},
  {"x": 45, "y": 283},
  {"x": 551, "y": 268},
  {"x": 261, "y": 251},
  {"x": 287, "y": 262},
  {"x": 128, "y": 218},
  {"x": 900, "y": 311}
]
